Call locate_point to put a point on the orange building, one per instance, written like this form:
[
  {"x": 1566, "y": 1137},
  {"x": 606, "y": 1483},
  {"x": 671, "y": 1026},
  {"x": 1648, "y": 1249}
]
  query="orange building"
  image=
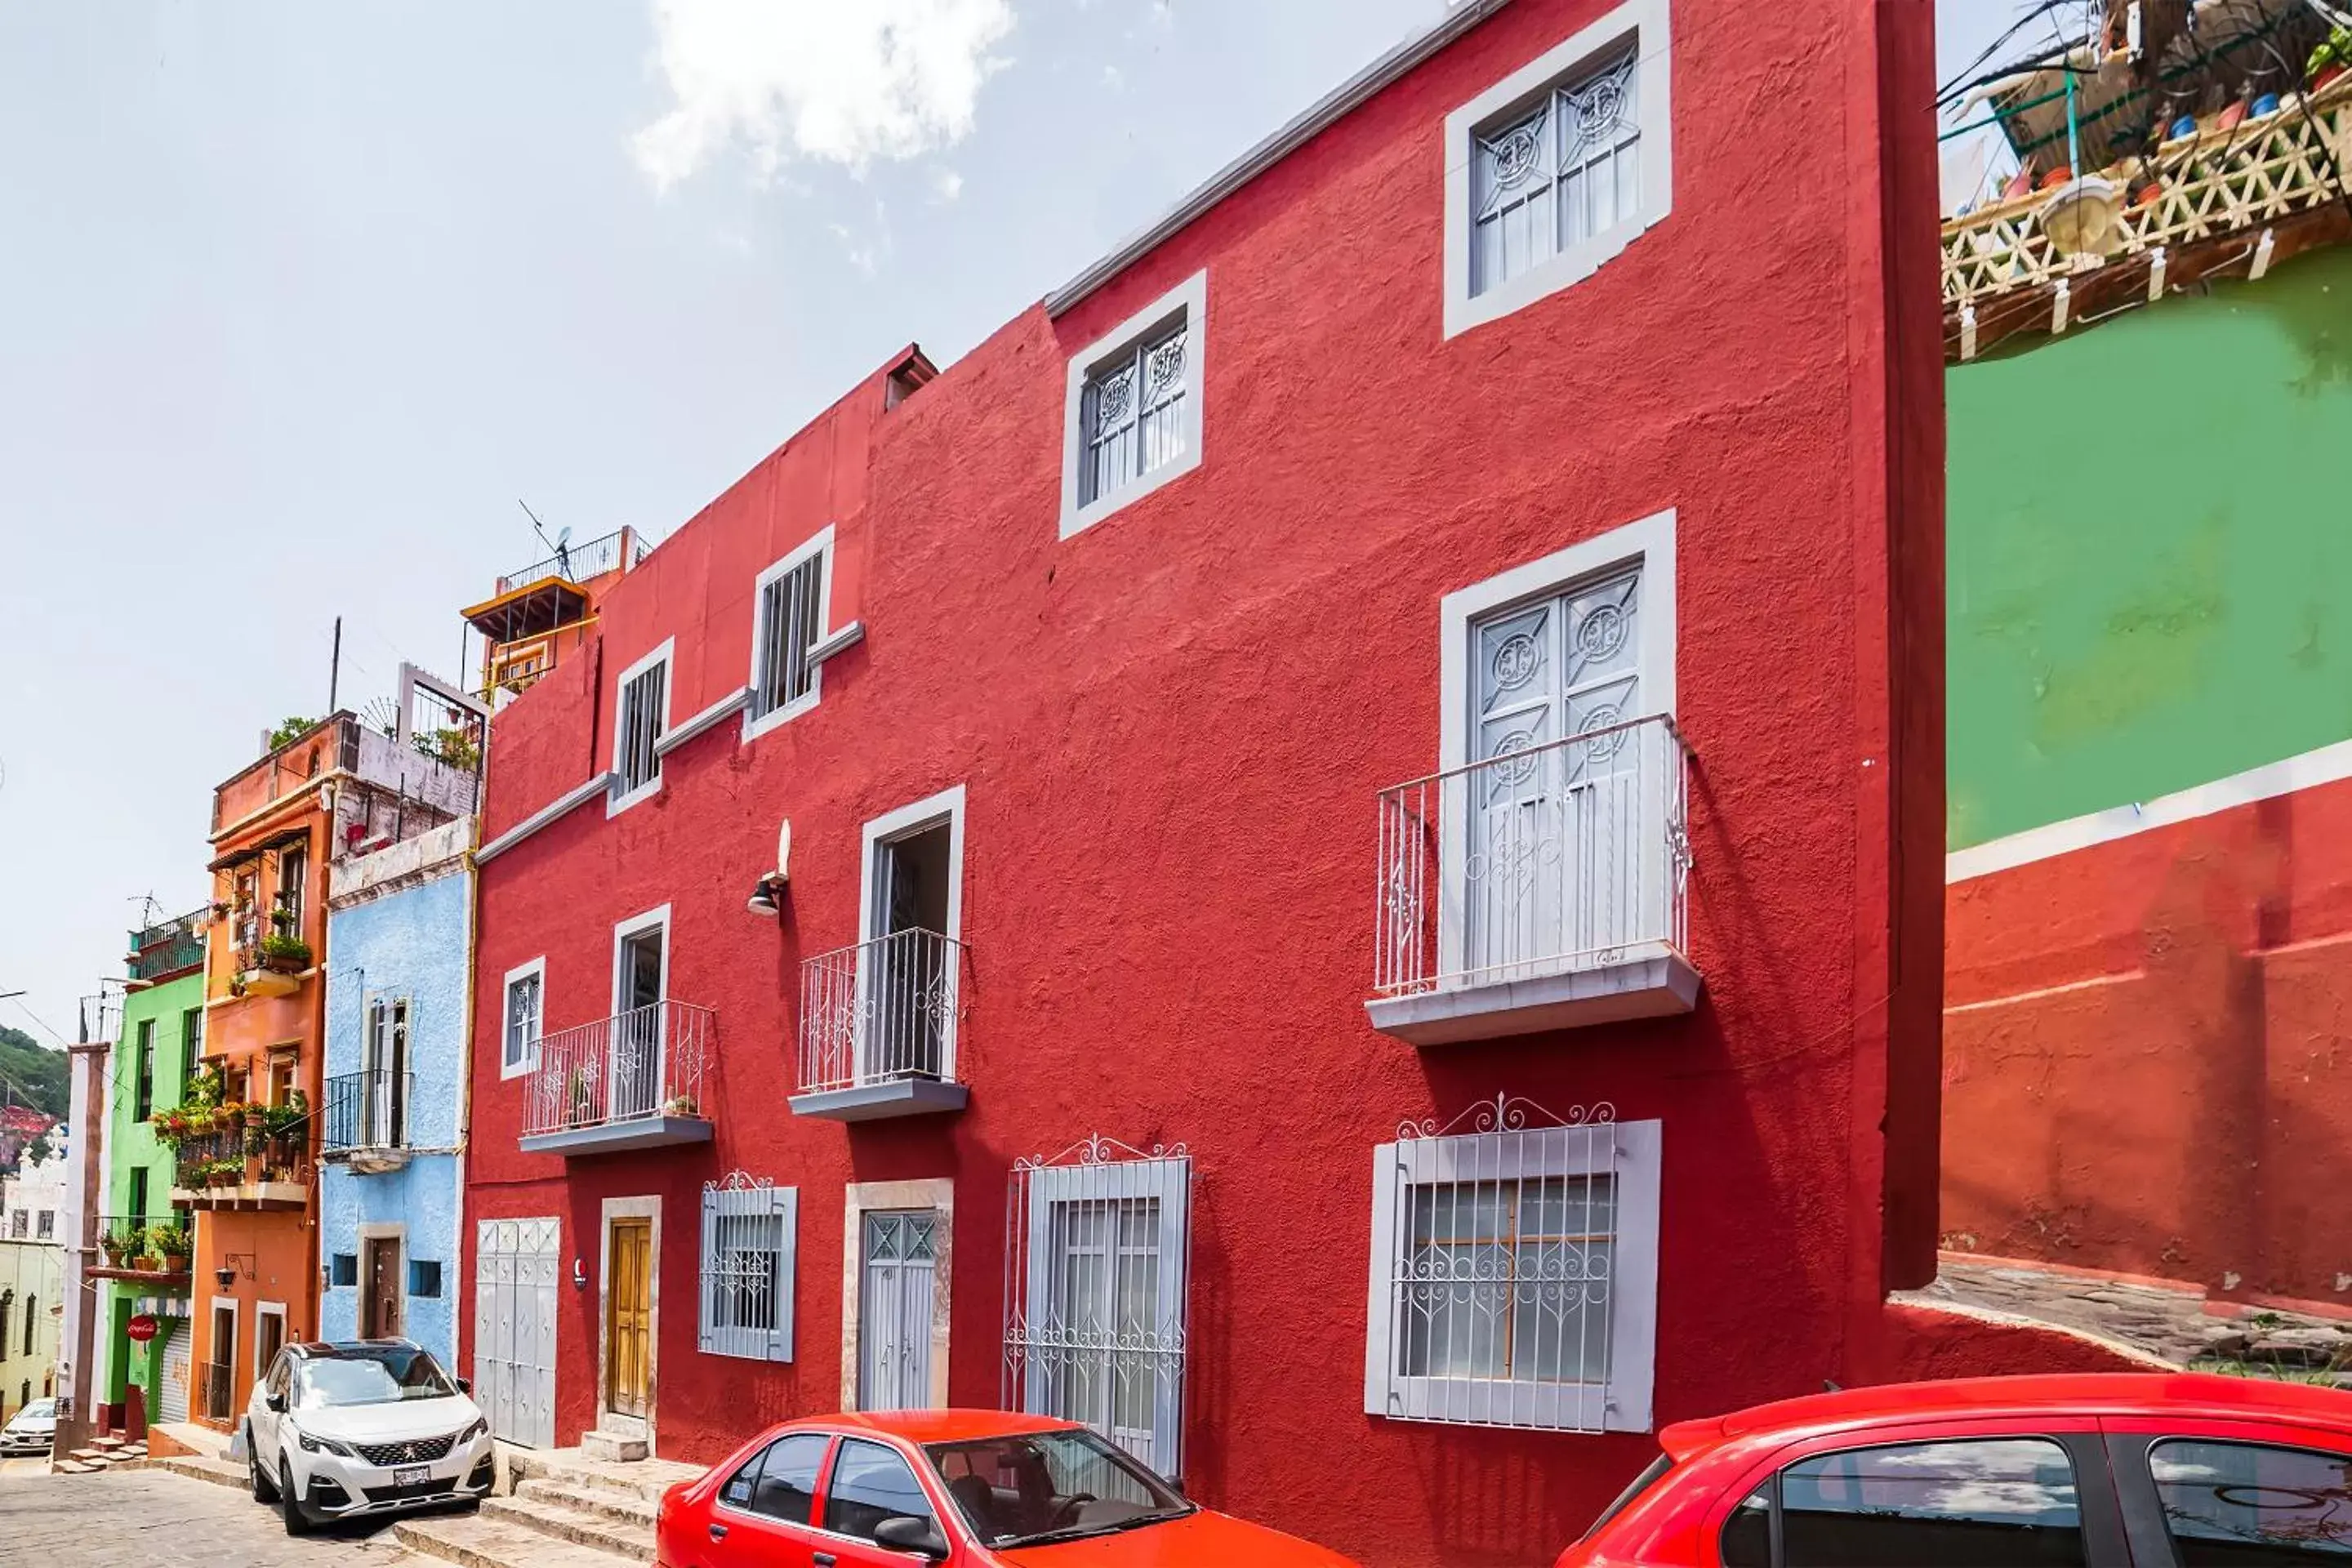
[{"x": 248, "y": 1170}]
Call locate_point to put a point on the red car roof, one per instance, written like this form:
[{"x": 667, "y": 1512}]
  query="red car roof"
[
  {"x": 2097, "y": 1393},
  {"x": 935, "y": 1426}
]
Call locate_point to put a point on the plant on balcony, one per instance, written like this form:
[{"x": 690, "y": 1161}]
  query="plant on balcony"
[
  {"x": 287, "y": 729},
  {"x": 681, "y": 1105},
  {"x": 450, "y": 746},
  {"x": 279, "y": 1120},
  {"x": 285, "y": 953},
  {"x": 116, "y": 1242},
  {"x": 575, "y": 1098},
  {"x": 168, "y": 1241}
]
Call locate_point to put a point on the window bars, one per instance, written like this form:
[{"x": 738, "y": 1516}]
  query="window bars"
[
  {"x": 1513, "y": 1270},
  {"x": 1554, "y": 176},
  {"x": 1135, "y": 413},
  {"x": 751, "y": 1230},
  {"x": 641, "y": 725},
  {"x": 647, "y": 1062},
  {"x": 1097, "y": 1293},
  {"x": 792, "y": 622}
]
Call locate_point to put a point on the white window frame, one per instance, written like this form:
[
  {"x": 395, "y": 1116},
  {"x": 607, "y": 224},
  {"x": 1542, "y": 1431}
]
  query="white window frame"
[
  {"x": 516, "y": 1067},
  {"x": 945, "y": 806},
  {"x": 1626, "y": 1151},
  {"x": 819, "y": 545},
  {"x": 1187, "y": 301},
  {"x": 720, "y": 1203},
  {"x": 397, "y": 1013},
  {"x": 1644, "y": 25},
  {"x": 621, "y": 801}
]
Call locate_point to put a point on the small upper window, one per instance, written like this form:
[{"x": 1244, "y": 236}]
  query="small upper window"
[
  {"x": 643, "y": 714},
  {"x": 2231, "y": 1503},
  {"x": 525, "y": 1001},
  {"x": 789, "y": 622},
  {"x": 1134, "y": 416}
]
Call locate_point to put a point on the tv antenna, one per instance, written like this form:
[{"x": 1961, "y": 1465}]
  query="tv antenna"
[{"x": 556, "y": 546}]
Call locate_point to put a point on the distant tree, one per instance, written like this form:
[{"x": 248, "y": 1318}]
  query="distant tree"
[
  {"x": 287, "y": 729},
  {"x": 32, "y": 1073}
]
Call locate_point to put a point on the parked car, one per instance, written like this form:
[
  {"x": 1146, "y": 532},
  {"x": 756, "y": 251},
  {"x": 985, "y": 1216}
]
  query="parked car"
[
  {"x": 32, "y": 1429},
  {"x": 975, "y": 1489},
  {"x": 363, "y": 1427},
  {"x": 2096, "y": 1470}
]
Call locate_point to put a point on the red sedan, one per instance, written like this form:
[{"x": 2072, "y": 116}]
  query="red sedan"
[
  {"x": 976, "y": 1488},
  {"x": 2088, "y": 1471}
]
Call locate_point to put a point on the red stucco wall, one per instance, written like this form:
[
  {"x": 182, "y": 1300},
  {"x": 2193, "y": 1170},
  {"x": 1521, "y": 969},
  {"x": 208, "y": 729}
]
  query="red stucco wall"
[
  {"x": 2147, "y": 1068},
  {"x": 1172, "y": 729}
]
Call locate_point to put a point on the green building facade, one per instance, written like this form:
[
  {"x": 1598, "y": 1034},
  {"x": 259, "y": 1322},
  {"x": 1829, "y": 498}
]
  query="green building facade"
[{"x": 156, "y": 1054}]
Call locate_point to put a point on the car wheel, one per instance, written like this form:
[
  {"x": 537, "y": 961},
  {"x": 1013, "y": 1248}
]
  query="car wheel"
[
  {"x": 265, "y": 1490},
  {"x": 297, "y": 1521}
]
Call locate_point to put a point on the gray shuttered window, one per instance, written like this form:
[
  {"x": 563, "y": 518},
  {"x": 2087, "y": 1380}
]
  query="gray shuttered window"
[{"x": 749, "y": 1244}]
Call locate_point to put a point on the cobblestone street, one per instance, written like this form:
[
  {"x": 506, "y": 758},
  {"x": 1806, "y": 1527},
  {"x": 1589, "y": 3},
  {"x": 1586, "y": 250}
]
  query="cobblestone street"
[{"x": 155, "y": 1520}]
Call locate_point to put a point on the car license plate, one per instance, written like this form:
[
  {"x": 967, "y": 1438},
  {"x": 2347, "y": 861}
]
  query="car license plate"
[{"x": 415, "y": 1476}]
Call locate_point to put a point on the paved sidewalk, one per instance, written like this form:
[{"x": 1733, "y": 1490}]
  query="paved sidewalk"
[{"x": 150, "y": 1519}]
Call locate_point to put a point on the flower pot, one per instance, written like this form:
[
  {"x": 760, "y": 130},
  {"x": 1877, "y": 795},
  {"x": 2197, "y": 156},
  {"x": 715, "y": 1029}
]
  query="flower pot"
[
  {"x": 151, "y": 1264},
  {"x": 285, "y": 962},
  {"x": 175, "y": 1263},
  {"x": 2056, "y": 177},
  {"x": 2231, "y": 117},
  {"x": 2327, "y": 76}
]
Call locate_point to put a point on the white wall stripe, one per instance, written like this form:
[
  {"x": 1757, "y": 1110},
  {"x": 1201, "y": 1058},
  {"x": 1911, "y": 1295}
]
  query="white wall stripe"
[{"x": 2328, "y": 764}]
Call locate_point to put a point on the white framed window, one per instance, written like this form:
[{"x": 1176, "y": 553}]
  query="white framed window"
[
  {"x": 750, "y": 1241},
  {"x": 1515, "y": 1274},
  {"x": 910, "y": 969},
  {"x": 526, "y": 1012},
  {"x": 790, "y": 608},
  {"x": 382, "y": 1107},
  {"x": 1132, "y": 417},
  {"x": 638, "y": 1042},
  {"x": 1556, "y": 168},
  {"x": 640, "y": 716}
]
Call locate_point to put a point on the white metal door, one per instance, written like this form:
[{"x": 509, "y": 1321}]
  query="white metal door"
[
  {"x": 897, "y": 1300},
  {"x": 172, "y": 1391},
  {"x": 1549, "y": 822},
  {"x": 515, "y": 1275}
]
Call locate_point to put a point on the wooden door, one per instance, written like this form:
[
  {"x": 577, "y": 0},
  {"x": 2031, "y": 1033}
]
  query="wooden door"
[
  {"x": 380, "y": 1292},
  {"x": 628, "y": 1319}
]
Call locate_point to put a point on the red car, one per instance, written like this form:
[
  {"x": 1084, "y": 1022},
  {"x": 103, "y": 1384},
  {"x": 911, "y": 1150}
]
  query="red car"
[
  {"x": 975, "y": 1489},
  {"x": 2112, "y": 1470}
]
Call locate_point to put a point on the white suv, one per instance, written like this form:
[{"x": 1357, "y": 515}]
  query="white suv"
[{"x": 363, "y": 1427}]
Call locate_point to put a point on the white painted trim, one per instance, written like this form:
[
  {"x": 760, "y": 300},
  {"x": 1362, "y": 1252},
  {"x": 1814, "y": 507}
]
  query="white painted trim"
[
  {"x": 651, "y": 787},
  {"x": 837, "y": 642},
  {"x": 537, "y": 967},
  {"x": 1296, "y": 133},
  {"x": 2308, "y": 770},
  {"x": 267, "y": 1310},
  {"x": 622, "y": 930},
  {"x": 1644, "y": 22},
  {"x": 709, "y": 717},
  {"x": 212, "y": 1304},
  {"x": 1189, "y": 299},
  {"x": 907, "y": 820},
  {"x": 599, "y": 784},
  {"x": 819, "y": 543},
  {"x": 936, "y": 1193},
  {"x": 610, "y": 1210}
]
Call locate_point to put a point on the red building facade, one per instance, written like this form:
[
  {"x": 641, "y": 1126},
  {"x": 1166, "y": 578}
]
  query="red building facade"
[{"x": 1362, "y": 791}]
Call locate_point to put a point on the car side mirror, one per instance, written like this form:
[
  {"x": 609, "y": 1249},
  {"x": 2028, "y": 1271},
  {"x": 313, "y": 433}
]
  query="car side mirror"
[
  {"x": 905, "y": 1533},
  {"x": 274, "y": 1403},
  {"x": 464, "y": 1386}
]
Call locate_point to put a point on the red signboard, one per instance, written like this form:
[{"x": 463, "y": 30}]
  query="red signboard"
[{"x": 141, "y": 1328}]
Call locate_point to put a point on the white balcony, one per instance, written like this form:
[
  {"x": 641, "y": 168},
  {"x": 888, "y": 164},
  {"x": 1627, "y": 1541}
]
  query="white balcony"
[
  {"x": 1541, "y": 888},
  {"x": 878, "y": 1029},
  {"x": 635, "y": 1080}
]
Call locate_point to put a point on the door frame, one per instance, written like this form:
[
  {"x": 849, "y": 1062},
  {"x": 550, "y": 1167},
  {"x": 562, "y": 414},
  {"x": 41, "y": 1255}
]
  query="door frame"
[
  {"x": 647, "y": 1208},
  {"x": 213, "y": 1305},
  {"x": 906, "y": 821},
  {"x": 261, "y": 1311},
  {"x": 655, "y": 918},
  {"x": 936, "y": 1193},
  {"x": 396, "y": 1232}
]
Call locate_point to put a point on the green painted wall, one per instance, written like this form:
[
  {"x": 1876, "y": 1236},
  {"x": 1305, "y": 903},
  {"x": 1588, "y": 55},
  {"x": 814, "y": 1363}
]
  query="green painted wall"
[
  {"x": 160, "y": 1014},
  {"x": 2150, "y": 547}
]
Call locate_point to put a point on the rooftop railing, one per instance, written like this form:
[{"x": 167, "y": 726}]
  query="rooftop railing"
[
  {"x": 170, "y": 946},
  {"x": 616, "y": 551}
]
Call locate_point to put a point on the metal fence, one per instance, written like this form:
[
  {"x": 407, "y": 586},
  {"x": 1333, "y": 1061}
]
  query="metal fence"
[
  {"x": 881, "y": 1010},
  {"x": 367, "y": 1111},
  {"x": 617, "y": 551},
  {"x": 1534, "y": 861},
  {"x": 170, "y": 946},
  {"x": 648, "y": 1062}
]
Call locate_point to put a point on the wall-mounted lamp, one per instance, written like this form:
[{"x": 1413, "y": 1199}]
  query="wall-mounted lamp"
[
  {"x": 579, "y": 1275},
  {"x": 226, "y": 1273},
  {"x": 768, "y": 893}
]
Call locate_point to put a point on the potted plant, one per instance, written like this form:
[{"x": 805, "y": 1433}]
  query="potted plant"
[
  {"x": 168, "y": 1241},
  {"x": 113, "y": 1242},
  {"x": 681, "y": 1105},
  {"x": 575, "y": 1095},
  {"x": 283, "y": 953},
  {"x": 2330, "y": 61}
]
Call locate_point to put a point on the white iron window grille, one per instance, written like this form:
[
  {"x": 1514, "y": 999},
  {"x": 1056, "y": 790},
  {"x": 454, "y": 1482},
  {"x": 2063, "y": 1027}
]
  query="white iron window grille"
[
  {"x": 1135, "y": 413},
  {"x": 791, "y": 621},
  {"x": 1097, "y": 1293},
  {"x": 1548, "y": 179},
  {"x": 645, "y": 711},
  {"x": 1513, "y": 1270},
  {"x": 750, "y": 1235}
]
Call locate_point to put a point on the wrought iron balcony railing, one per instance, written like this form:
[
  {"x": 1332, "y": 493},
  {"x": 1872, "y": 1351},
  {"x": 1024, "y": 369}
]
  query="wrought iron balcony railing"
[
  {"x": 366, "y": 1110},
  {"x": 616, "y": 551},
  {"x": 170, "y": 946},
  {"x": 1534, "y": 862},
  {"x": 882, "y": 1011},
  {"x": 640, "y": 1066}
]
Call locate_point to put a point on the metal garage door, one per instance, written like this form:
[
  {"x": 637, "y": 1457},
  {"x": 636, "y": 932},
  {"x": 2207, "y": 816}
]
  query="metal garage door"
[
  {"x": 514, "y": 1328},
  {"x": 173, "y": 1394}
]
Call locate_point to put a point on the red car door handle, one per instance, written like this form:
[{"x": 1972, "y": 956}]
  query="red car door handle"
[
  {"x": 824, "y": 1559},
  {"x": 718, "y": 1532}
]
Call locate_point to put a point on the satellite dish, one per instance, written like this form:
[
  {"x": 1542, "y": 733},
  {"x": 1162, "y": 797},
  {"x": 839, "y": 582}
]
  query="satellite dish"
[{"x": 563, "y": 536}]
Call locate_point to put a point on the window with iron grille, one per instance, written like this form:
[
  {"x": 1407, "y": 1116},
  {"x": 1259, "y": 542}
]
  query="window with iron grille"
[
  {"x": 749, "y": 1237},
  {"x": 344, "y": 1268},
  {"x": 1515, "y": 1274},
  {"x": 526, "y": 1006},
  {"x": 789, "y": 621},
  {"x": 192, "y": 1048},
  {"x": 1133, "y": 415},
  {"x": 45, "y": 1225},
  {"x": 424, "y": 1279},
  {"x": 643, "y": 714},
  {"x": 143, "y": 1098}
]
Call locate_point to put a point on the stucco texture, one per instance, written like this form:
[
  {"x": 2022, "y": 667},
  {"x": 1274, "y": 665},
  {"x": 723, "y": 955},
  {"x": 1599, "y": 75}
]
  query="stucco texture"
[
  {"x": 1173, "y": 728},
  {"x": 415, "y": 942}
]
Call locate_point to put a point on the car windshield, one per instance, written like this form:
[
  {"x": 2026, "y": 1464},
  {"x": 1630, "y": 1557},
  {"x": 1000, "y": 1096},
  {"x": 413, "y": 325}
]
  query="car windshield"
[
  {"x": 1051, "y": 1486},
  {"x": 369, "y": 1376},
  {"x": 37, "y": 1411}
]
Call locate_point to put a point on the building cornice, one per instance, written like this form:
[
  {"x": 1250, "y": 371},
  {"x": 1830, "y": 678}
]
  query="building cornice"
[{"x": 572, "y": 799}]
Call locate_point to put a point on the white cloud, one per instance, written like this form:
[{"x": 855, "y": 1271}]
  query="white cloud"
[
  {"x": 946, "y": 184},
  {"x": 842, "y": 81}
]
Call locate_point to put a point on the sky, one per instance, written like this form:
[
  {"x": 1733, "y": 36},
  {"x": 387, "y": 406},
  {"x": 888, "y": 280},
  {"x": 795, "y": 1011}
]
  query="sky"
[{"x": 299, "y": 301}]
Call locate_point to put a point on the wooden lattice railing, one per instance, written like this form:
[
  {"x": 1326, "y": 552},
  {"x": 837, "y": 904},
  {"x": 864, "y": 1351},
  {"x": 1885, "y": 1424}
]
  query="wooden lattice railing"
[{"x": 2210, "y": 184}]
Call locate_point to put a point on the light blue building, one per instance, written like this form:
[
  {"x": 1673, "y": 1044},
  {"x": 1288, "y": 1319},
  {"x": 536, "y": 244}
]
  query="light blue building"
[{"x": 392, "y": 1199}]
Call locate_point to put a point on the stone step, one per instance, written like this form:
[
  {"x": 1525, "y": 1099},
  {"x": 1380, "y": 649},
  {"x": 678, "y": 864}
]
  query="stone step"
[
  {"x": 481, "y": 1541},
  {"x": 647, "y": 1479},
  {"x": 621, "y": 1538},
  {"x": 628, "y": 1507},
  {"x": 220, "y": 1472},
  {"x": 614, "y": 1447}
]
